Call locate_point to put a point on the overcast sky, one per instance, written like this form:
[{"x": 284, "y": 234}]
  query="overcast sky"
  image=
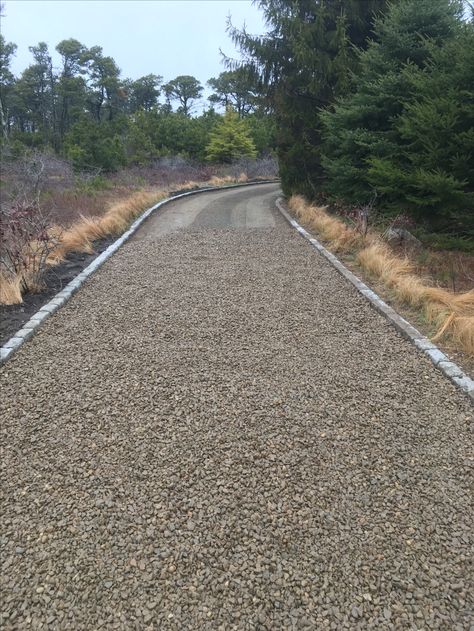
[{"x": 164, "y": 37}]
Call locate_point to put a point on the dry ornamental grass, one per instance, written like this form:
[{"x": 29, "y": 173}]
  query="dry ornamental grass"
[
  {"x": 79, "y": 237},
  {"x": 10, "y": 290}
]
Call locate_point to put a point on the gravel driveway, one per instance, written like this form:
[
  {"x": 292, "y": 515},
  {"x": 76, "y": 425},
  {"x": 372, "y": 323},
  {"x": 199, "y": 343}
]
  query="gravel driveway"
[{"x": 217, "y": 432}]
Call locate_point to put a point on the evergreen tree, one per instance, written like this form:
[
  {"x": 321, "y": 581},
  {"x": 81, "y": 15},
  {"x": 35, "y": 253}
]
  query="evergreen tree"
[
  {"x": 431, "y": 172},
  {"x": 262, "y": 129},
  {"x": 144, "y": 92},
  {"x": 140, "y": 149},
  {"x": 363, "y": 145},
  {"x": 34, "y": 96},
  {"x": 7, "y": 80},
  {"x": 237, "y": 88},
  {"x": 185, "y": 89},
  {"x": 304, "y": 63},
  {"x": 105, "y": 95},
  {"x": 71, "y": 86},
  {"x": 230, "y": 140},
  {"x": 90, "y": 144}
]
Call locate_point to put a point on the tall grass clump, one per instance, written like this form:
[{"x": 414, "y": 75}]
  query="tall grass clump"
[
  {"x": 450, "y": 314},
  {"x": 10, "y": 289},
  {"x": 343, "y": 238},
  {"x": 80, "y": 236}
]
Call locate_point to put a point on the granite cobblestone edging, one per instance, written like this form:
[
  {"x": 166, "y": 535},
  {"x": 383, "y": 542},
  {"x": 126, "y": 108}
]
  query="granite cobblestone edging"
[
  {"x": 30, "y": 327},
  {"x": 451, "y": 370}
]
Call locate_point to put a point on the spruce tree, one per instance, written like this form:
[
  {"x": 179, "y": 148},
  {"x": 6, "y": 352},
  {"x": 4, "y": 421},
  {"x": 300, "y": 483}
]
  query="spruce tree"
[
  {"x": 230, "y": 140},
  {"x": 304, "y": 63},
  {"x": 363, "y": 134},
  {"x": 431, "y": 172}
]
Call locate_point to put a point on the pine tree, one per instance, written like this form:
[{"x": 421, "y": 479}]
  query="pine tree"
[
  {"x": 230, "y": 140},
  {"x": 236, "y": 88},
  {"x": 7, "y": 80},
  {"x": 185, "y": 89}
]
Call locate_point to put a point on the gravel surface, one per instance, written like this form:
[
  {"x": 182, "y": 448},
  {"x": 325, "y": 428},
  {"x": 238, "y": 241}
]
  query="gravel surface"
[
  {"x": 13, "y": 317},
  {"x": 217, "y": 432}
]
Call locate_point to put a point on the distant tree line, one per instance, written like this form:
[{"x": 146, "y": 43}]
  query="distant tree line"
[
  {"x": 85, "y": 111},
  {"x": 373, "y": 99}
]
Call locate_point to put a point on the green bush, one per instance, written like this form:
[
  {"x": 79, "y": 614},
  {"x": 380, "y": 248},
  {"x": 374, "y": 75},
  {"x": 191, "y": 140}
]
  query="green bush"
[
  {"x": 93, "y": 185},
  {"x": 90, "y": 144},
  {"x": 442, "y": 241}
]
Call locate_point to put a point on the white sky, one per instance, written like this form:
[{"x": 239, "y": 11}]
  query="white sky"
[{"x": 164, "y": 37}]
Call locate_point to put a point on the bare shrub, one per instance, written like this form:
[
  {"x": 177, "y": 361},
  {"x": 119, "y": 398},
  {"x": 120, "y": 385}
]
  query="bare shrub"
[
  {"x": 165, "y": 172},
  {"x": 26, "y": 239},
  {"x": 360, "y": 215},
  {"x": 174, "y": 171},
  {"x": 25, "y": 244},
  {"x": 259, "y": 169},
  {"x": 25, "y": 178}
]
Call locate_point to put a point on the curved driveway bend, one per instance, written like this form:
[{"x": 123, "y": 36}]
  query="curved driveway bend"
[{"x": 217, "y": 432}]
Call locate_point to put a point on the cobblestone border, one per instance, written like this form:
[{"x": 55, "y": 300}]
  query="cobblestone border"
[
  {"x": 30, "y": 327},
  {"x": 439, "y": 359}
]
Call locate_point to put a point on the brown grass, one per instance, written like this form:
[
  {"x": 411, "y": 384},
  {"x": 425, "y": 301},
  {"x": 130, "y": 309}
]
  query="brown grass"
[
  {"x": 342, "y": 237},
  {"x": 227, "y": 179},
  {"x": 80, "y": 236},
  {"x": 189, "y": 186},
  {"x": 378, "y": 259},
  {"x": 452, "y": 315},
  {"x": 10, "y": 290}
]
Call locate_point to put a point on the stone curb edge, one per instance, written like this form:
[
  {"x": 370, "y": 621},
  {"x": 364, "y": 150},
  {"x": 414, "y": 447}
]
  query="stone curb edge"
[
  {"x": 30, "y": 327},
  {"x": 439, "y": 359}
]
